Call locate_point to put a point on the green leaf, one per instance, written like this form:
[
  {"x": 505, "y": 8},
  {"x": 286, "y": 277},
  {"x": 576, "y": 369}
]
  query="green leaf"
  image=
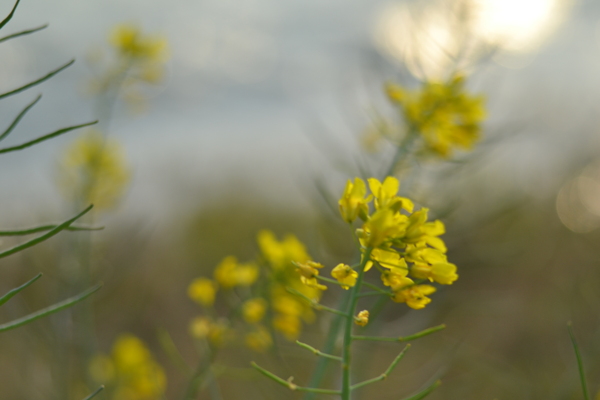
[
  {"x": 9, "y": 16},
  {"x": 16, "y": 290},
  {"x": 45, "y": 236},
  {"x": 101, "y": 388},
  {"x": 36, "y": 82},
  {"x": 16, "y": 120},
  {"x": 45, "y": 137},
  {"x": 43, "y": 228},
  {"x": 49, "y": 310},
  {"x": 22, "y": 33},
  {"x": 586, "y": 394}
]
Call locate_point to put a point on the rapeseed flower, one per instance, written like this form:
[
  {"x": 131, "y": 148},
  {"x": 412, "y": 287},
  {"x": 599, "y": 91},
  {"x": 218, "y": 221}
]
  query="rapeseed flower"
[
  {"x": 254, "y": 310},
  {"x": 345, "y": 275},
  {"x": 362, "y": 319},
  {"x": 129, "y": 41},
  {"x": 229, "y": 273},
  {"x": 203, "y": 291},
  {"x": 259, "y": 339},
  {"x": 444, "y": 114},
  {"x": 353, "y": 203},
  {"x": 93, "y": 171}
]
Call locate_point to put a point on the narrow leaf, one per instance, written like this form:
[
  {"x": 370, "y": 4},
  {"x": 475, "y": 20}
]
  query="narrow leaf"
[
  {"x": 425, "y": 392},
  {"x": 49, "y": 310},
  {"x": 45, "y": 236},
  {"x": 9, "y": 16},
  {"x": 45, "y": 137},
  {"x": 38, "y": 81},
  {"x": 43, "y": 228},
  {"x": 16, "y": 290},
  {"x": 586, "y": 394},
  {"x": 101, "y": 388},
  {"x": 23, "y": 33},
  {"x": 16, "y": 120}
]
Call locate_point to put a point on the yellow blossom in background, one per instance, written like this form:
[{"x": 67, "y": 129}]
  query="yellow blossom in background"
[
  {"x": 216, "y": 332},
  {"x": 280, "y": 254},
  {"x": 202, "y": 291},
  {"x": 353, "y": 203},
  {"x": 229, "y": 273},
  {"x": 129, "y": 41},
  {"x": 444, "y": 114},
  {"x": 345, "y": 275},
  {"x": 254, "y": 310},
  {"x": 259, "y": 339},
  {"x": 130, "y": 371},
  {"x": 93, "y": 171},
  {"x": 362, "y": 319}
]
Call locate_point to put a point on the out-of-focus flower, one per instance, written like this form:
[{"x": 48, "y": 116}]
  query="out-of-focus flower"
[
  {"x": 345, "y": 275},
  {"x": 129, "y": 41},
  {"x": 280, "y": 254},
  {"x": 203, "y": 291},
  {"x": 254, "y": 310},
  {"x": 216, "y": 332},
  {"x": 230, "y": 273},
  {"x": 259, "y": 339},
  {"x": 362, "y": 319},
  {"x": 131, "y": 370},
  {"x": 444, "y": 114},
  {"x": 93, "y": 171},
  {"x": 353, "y": 203}
]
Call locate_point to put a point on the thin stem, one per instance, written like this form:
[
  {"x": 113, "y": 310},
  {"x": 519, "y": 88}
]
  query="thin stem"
[
  {"x": 347, "y": 346},
  {"x": 417, "y": 335},
  {"x": 316, "y": 305},
  {"x": 586, "y": 394},
  {"x": 317, "y": 352},
  {"x": 173, "y": 352},
  {"x": 373, "y": 293},
  {"x": 386, "y": 373},
  {"x": 377, "y": 288},
  {"x": 101, "y": 388},
  {"x": 425, "y": 392},
  {"x": 16, "y": 290},
  {"x": 290, "y": 385}
]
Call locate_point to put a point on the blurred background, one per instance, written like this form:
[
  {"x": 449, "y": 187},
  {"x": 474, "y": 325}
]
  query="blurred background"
[{"x": 262, "y": 105}]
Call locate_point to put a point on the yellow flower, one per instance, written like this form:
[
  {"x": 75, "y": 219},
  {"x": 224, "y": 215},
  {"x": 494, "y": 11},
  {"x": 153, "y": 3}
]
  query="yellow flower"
[
  {"x": 216, "y": 332},
  {"x": 443, "y": 114},
  {"x": 395, "y": 277},
  {"x": 278, "y": 254},
  {"x": 362, "y": 318},
  {"x": 388, "y": 258},
  {"x": 202, "y": 291},
  {"x": 137, "y": 375},
  {"x": 93, "y": 171},
  {"x": 289, "y": 325},
  {"x": 254, "y": 310},
  {"x": 345, "y": 275},
  {"x": 442, "y": 273},
  {"x": 129, "y": 40},
  {"x": 382, "y": 226},
  {"x": 259, "y": 340},
  {"x": 230, "y": 273},
  {"x": 386, "y": 194},
  {"x": 353, "y": 203},
  {"x": 308, "y": 274},
  {"x": 414, "y": 296}
]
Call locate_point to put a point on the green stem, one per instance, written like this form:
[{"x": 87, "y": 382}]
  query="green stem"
[
  {"x": 425, "y": 392},
  {"x": 317, "y": 352},
  {"x": 346, "y": 350},
  {"x": 387, "y": 372},
  {"x": 417, "y": 335},
  {"x": 289, "y": 384}
]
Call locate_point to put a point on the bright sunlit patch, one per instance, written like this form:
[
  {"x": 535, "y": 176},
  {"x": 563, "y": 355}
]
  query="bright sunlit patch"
[{"x": 434, "y": 37}]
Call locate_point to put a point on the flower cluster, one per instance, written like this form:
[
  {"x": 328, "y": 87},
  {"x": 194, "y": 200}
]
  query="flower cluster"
[
  {"x": 260, "y": 293},
  {"x": 93, "y": 171},
  {"x": 139, "y": 58},
  {"x": 444, "y": 114},
  {"x": 401, "y": 243},
  {"x": 130, "y": 371}
]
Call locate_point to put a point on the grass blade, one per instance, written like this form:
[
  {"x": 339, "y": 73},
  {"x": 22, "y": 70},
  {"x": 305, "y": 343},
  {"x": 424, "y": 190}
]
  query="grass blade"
[
  {"x": 45, "y": 137},
  {"x": 22, "y": 33},
  {"x": 38, "y": 81},
  {"x": 9, "y": 16},
  {"x": 586, "y": 394},
  {"x": 16, "y": 290},
  {"x": 49, "y": 310},
  {"x": 101, "y": 388},
  {"x": 16, "y": 120},
  {"x": 43, "y": 228},
  {"x": 45, "y": 236}
]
